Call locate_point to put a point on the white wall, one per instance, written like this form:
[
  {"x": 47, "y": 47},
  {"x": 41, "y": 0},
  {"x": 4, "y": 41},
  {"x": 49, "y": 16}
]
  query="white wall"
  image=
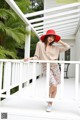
[
  {"x": 77, "y": 45},
  {"x": 71, "y": 42},
  {"x": 71, "y": 71},
  {"x": 50, "y": 4},
  {"x": 77, "y": 48}
]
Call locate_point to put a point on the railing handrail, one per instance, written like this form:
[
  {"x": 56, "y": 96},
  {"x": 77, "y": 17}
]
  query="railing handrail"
[{"x": 40, "y": 61}]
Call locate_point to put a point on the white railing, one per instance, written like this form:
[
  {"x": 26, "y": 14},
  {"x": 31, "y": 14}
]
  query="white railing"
[
  {"x": 76, "y": 78},
  {"x": 16, "y": 72}
]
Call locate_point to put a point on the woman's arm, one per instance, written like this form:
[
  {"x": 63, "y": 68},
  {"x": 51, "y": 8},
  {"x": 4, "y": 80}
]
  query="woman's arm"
[{"x": 64, "y": 47}]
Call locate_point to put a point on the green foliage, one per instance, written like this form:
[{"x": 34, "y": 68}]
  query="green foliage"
[
  {"x": 24, "y": 5},
  {"x": 5, "y": 13},
  {"x": 12, "y": 29},
  {"x": 34, "y": 40},
  {"x": 3, "y": 4},
  {"x": 37, "y": 5},
  {"x": 12, "y": 32},
  {"x": 4, "y": 53}
]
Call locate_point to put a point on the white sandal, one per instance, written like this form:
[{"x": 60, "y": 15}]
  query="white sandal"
[{"x": 49, "y": 108}]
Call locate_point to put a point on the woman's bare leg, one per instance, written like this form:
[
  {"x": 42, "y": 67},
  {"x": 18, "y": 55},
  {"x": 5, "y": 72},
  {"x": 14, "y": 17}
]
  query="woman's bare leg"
[{"x": 52, "y": 92}]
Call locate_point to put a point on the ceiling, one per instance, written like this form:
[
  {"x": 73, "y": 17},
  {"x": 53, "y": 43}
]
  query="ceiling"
[{"x": 65, "y": 19}]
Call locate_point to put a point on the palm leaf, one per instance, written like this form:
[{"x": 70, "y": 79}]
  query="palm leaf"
[
  {"x": 4, "y": 53},
  {"x": 4, "y": 13},
  {"x": 17, "y": 34},
  {"x": 24, "y": 5}
]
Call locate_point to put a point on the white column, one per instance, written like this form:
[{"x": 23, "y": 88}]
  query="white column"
[{"x": 27, "y": 42}]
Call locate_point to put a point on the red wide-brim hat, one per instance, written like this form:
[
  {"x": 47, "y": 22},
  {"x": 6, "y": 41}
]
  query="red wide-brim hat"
[{"x": 50, "y": 32}]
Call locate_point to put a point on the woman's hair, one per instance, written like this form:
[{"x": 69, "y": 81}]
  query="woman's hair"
[{"x": 46, "y": 40}]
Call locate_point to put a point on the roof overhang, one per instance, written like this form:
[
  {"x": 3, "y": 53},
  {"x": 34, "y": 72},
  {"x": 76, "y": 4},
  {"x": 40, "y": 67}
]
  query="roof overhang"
[{"x": 65, "y": 19}]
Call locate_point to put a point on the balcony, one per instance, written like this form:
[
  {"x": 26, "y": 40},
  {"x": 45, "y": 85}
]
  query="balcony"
[{"x": 30, "y": 101}]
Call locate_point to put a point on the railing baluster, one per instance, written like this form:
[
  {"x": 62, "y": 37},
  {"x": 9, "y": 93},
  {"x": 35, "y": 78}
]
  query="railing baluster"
[
  {"x": 21, "y": 77},
  {"x": 76, "y": 81},
  {"x": 1, "y": 71},
  {"x": 7, "y": 77},
  {"x": 47, "y": 79},
  {"x": 18, "y": 74},
  {"x": 27, "y": 73},
  {"x": 62, "y": 80},
  {"x": 34, "y": 79},
  {"x": 13, "y": 73}
]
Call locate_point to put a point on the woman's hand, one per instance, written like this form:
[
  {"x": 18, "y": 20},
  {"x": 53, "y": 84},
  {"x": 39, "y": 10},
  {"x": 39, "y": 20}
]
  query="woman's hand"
[
  {"x": 64, "y": 44},
  {"x": 60, "y": 41},
  {"x": 27, "y": 59}
]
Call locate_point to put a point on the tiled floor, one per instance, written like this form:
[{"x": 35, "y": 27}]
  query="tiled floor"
[{"x": 23, "y": 104}]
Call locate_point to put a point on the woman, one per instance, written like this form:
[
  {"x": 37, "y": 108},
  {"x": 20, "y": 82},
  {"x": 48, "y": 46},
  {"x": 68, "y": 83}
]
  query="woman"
[{"x": 45, "y": 50}]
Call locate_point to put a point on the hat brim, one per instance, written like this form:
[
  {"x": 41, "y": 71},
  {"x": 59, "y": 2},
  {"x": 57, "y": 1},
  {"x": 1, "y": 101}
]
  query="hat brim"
[{"x": 57, "y": 37}]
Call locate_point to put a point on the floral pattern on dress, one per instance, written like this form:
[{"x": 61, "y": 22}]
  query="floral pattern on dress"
[{"x": 54, "y": 75}]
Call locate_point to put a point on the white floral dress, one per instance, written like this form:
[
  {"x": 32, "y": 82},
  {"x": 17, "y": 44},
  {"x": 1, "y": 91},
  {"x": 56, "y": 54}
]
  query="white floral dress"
[{"x": 54, "y": 75}]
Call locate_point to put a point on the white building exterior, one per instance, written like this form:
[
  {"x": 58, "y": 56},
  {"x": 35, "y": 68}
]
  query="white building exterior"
[
  {"x": 74, "y": 42},
  {"x": 77, "y": 45},
  {"x": 30, "y": 100}
]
